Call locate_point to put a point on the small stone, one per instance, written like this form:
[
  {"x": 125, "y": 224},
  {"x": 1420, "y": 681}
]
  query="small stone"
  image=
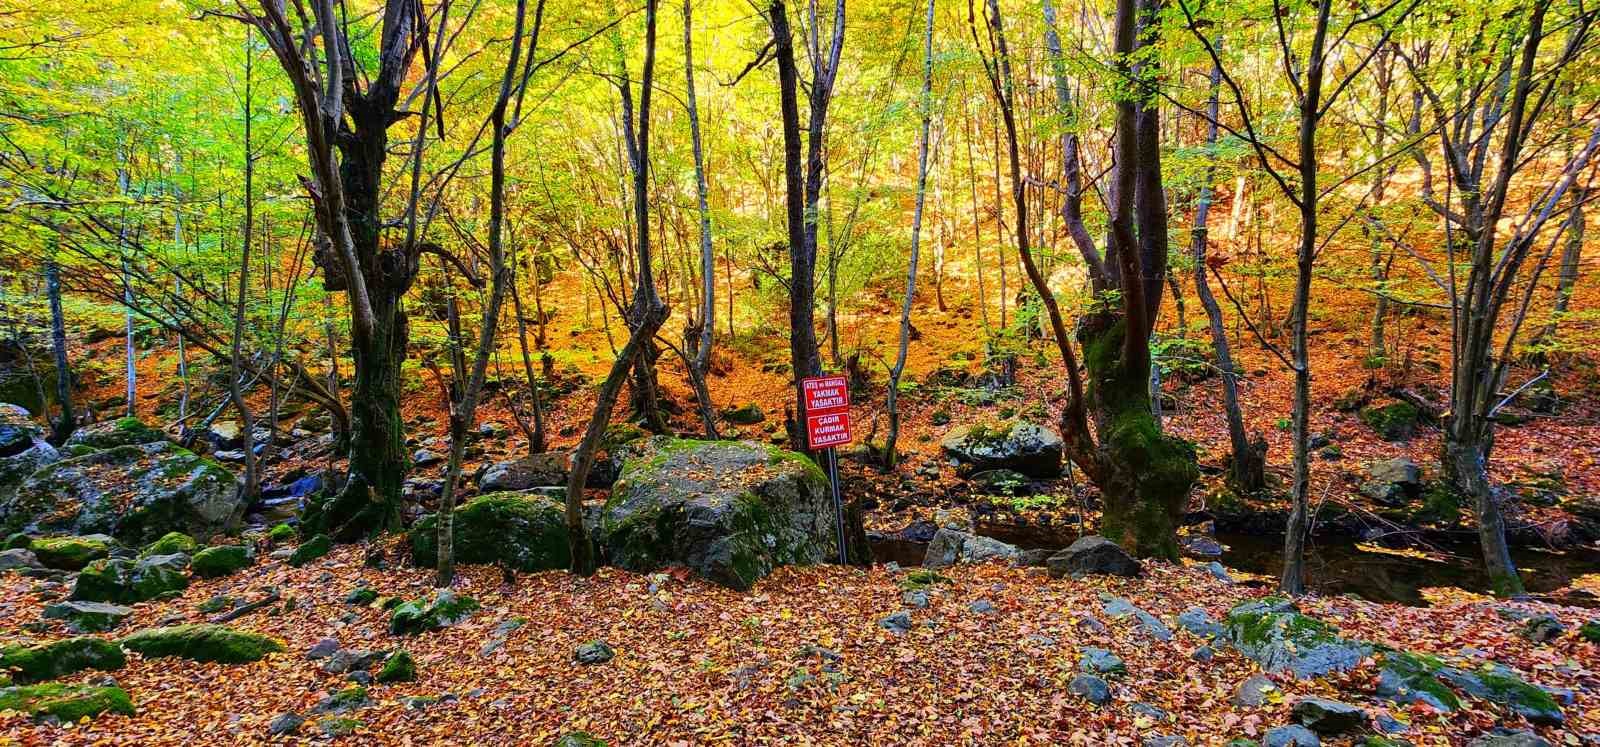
[
  {"x": 285, "y": 723},
  {"x": 1293, "y": 735},
  {"x": 981, "y": 607},
  {"x": 1543, "y": 628},
  {"x": 1089, "y": 625},
  {"x": 1199, "y": 622},
  {"x": 1151, "y": 712},
  {"x": 1090, "y": 688},
  {"x": 1326, "y": 716},
  {"x": 323, "y": 649},
  {"x": 1504, "y": 737},
  {"x": 1255, "y": 692},
  {"x": 916, "y": 599},
  {"x": 1203, "y": 654},
  {"x": 359, "y": 677},
  {"x": 594, "y": 652},
  {"x": 1100, "y": 661},
  {"x": 1218, "y": 572},
  {"x": 1093, "y": 555},
  {"x": 899, "y": 622}
]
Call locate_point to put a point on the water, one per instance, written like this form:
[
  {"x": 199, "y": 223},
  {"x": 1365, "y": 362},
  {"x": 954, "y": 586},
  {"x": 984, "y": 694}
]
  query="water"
[{"x": 1340, "y": 566}]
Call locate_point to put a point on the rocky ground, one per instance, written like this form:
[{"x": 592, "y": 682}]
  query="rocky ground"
[{"x": 974, "y": 653}]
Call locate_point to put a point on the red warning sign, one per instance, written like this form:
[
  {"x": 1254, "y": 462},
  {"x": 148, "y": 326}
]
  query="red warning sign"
[{"x": 827, "y": 411}]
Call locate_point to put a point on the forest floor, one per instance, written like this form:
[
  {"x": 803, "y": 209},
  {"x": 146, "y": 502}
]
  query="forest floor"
[{"x": 800, "y": 659}]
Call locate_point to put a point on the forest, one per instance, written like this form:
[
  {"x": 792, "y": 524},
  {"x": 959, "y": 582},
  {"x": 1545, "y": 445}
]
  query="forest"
[{"x": 459, "y": 372}]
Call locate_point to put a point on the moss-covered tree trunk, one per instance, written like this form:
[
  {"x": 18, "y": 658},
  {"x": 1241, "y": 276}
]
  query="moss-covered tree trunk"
[{"x": 1145, "y": 474}]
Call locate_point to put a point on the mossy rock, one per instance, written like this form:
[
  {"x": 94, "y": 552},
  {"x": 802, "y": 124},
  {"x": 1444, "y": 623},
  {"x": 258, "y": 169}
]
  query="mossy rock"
[
  {"x": 1590, "y": 631},
  {"x": 517, "y": 530},
  {"x": 48, "y": 661},
  {"x": 362, "y": 595},
  {"x": 53, "y": 701},
  {"x": 748, "y": 414},
  {"x": 109, "y": 434},
  {"x": 419, "y": 616},
  {"x": 1393, "y": 421},
  {"x": 731, "y": 511},
  {"x": 399, "y": 667},
  {"x": 1440, "y": 505},
  {"x": 1279, "y": 638},
  {"x": 71, "y": 553},
  {"x": 216, "y": 562},
  {"x": 169, "y": 543},
  {"x": 202, "y": 642},
  {"x": 1414, "y": 678},
  {"x": 311, "y": 549},
  {"x": 281, "y": 533},
  {"x": 17, "y": 541},
  {"x": 133, "y": 493},
  {"x": 88, "y": 617},
  {"x": 338, "y": 726},
  {"x": 1029, "y": 448},
  {"x": 125, "y": 581}
]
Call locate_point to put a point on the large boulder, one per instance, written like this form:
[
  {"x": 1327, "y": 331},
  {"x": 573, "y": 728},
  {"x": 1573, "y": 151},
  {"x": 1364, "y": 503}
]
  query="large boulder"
[
  {"x": 135, "y": 493},
  {"x": 1275, "y": 635},
  {"x": 22, "y": 449},
  {"x": 517, "y": 530},
  {"x": 1093, "y": 555},
  {"x": 202, "y": 642},
  {"x": 48, "y": 661},
  {"x": 109, "y": 434},
  {"x": 731, "y": 511},
  {"x": 124, "y": 581},
  {"x": 536, "y": 471},
  {"x": 952, "y": 546},
  {"x": 1029, "y": 448},
  {"x": 67, "y": 704},
  {"x": 1393, "y": 482}
]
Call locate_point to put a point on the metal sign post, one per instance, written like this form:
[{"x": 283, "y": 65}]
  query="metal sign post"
[{"x": 827, "y": 400}]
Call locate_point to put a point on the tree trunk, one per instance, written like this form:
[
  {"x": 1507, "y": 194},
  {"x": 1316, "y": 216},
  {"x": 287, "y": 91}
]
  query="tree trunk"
[
  {"x": 701, "y": 366},
  {"x": 65, "y": 421},
  {"x": 890, "y": 458},
  {"x": 250, "y": 489}
]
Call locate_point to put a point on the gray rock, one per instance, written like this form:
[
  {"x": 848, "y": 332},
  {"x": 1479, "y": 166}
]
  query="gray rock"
[
  {"x": 226, "y": 434},
  {"x": 18, "y": 558},
  {"x": 1028, "y": 448},
  {"x": 1393, "y": 482},
  {"x": 1197, "y": 621},
  {"x": 1274, "y": 635},
  {"x": 1325, "y": 716},
  {"x": 1203, "y": 654},
  {"x": 425, "y": 458},
  {"x": 126, "y": 581},
  {"x": 981, "y": 607},
  {"x": 1504, "y": 737},
  {"x": 88, "y": 617},
  {"x": 1117, "y": 607},
  {"x": 1218, "y": 572},
  {"x": 1100, "y": 661},
  {"x": 1090, "y": 688},
  {"x": 535, "y": 471},
  {"x": 915, "y": 598},
  {"x": 23, "y": 450},
  {"x": 731, "y": 511},
  {"x": 1254, "y": 692},
  {"x": 1151, "y": 712},
  {"x": 1293, "y": 735},
  {"x": 285, "y": 724},
  {"x": 1093, "y": 555},
  {"x": 952, "y": 546},
  {"x": 1199, "y": 546},
  {"x": 323, "y": 649},
  {"x": 899, "y": 622},
  {"x": 1089, "y": 625},
  {"x": 594, "y": 652},
  {"x": 1542, "y": 628},
  {"x": 135, "y": 493}
]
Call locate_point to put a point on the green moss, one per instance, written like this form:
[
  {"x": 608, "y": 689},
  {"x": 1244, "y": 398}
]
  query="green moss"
[
  {"x": 1419, "y": 673},
  {"x": 921, "y": 578},
  {"x": 216, "y": 562},
  {"x": 338, "y": 726},
  {"x": 70, "y": 553},
  {"x": 522, "y": 531},
  {"x": 1590, "y": 631},
  {"x": 1510, "y": 690},
  {"x": 47, "y": 661},
  {"x": 418, "y": 616},
  {"x": 311, "y": 549},
  {"x": 399, "y": 667},
  {"x": 280, "y": 533},
  {"x": 66, "y": 703},
  {"x": 362, "y": 595},
  {"x": 18, "y": 541},
  {"x": 1440, "y": 505},
  {"x": 127, "y": 582},
  {"x": 169, "y": 543},
  {"x": 1395, "y": 421},
  {"x": 202, "y": 642}
]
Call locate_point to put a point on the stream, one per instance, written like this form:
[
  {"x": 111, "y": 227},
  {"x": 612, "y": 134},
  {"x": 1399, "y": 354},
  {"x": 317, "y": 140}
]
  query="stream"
[{"x": 1341, "y": 566}]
